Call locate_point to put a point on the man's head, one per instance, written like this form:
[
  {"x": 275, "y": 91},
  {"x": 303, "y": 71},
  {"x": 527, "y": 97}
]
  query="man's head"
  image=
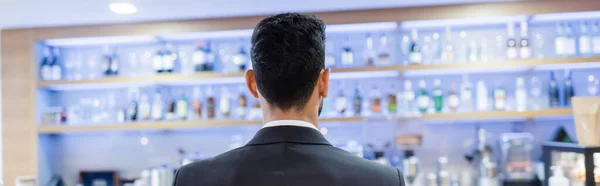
[{"x": 288, "y": 54}]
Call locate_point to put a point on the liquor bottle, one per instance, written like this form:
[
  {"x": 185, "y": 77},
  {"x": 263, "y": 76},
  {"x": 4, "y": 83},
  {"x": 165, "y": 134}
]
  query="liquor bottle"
[
  {"x": 463, "y": 50},
  {"x": 560, "y": 40},
  {"x": 483, "y": 51},
  {"x": 593, "y": 83},
  {"x": 426, "y": 51},
  {"x": 107, "y": 61},
  {"x": 569, "y": 41},
  {"x": 242, "y": 103},
  {"x": 392, "y": 101},
  {"x": 585, "y": 43},
  {"x": 525, "y": 50},
  {"x": 553, "y": 91},
  {"x": 210, "y": 104},
  {"x": 521, "y": 94},
  {"x": 511, "y": 42},
  {"x": 569, "y": 91},
  {"x": 500, "y": 49},
  {"x": 405, "y": 49},
  {"x": 340, "y": 100},
  {"x": 132, "y": 106},
  {"x": 182, "y": 107},
  {"x": 347, "y": 53},
  {"x": 536, "y": 93},
  {"x": 121, "y": 114},
  {"x": 330, "y": 59},
  {"x": 408, "y": 101},
  {"x": 357, "y": 101},
  {"x": 423, "y": 98},
  {"x": 375, "y": 100},
  {"x": 45, "y": 69},
  {"x": 453, "y": 99},
  {"x": 466, "y": 94},
  {"x": 157, "y": 106},
  {"x": 196, "y": 104},
  {"x": 171, "y": 108},
  {"x": 199, "y": 57},
  {"x": 369, "y": 51},
  {"x": 482, "y": 96},
  {"x": 438, "y": 95},
  {"x": 499, "y": 97},
  {"x": 112, "y": 109},
  {"x": 448, "y": 53},
  {"x": 225, "y": 103},
  {"x": 240, "y": 59},
  {"x": 144, "y": 108},
  {"x": 436, "y": 48},
  {"x": 473, "y": 52},
  {"x": 595, "y": 38},
  {"x": 55, "y": 66},
  {"x": 157, "y": 61},
  {"x": 384, "y": 51},
  {"x": 168, "y": 58},
  {"x": 415, "y": 56}
]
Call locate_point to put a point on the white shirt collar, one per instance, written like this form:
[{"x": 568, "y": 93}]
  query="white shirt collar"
[{"x": 296, "y": 123}]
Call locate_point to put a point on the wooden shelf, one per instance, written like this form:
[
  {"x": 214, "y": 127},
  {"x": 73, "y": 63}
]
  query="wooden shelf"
[
  {"x": 499, "y": 114},
  {"x": 365, "y": 72}
]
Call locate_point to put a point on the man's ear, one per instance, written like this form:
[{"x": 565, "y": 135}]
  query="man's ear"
[
  {"x": 323, "y": 82},
  {"x": 251, "y": 83}
]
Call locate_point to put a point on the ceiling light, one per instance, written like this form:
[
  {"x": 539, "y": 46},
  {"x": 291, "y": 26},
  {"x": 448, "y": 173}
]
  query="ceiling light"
[{"x": 123, "y": 8}]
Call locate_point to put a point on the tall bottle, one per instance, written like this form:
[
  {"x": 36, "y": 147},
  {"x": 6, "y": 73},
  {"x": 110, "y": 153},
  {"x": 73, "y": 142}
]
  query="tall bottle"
[
  {"x": 438, "y": 95},
  {"x": 595, "y": 38},
  {"x": 473, "y": 52},
  {"x": 525, "y": 46},
  {"x": 436, "y": 48},
  {"x": 171, "y": 113},
  {"x": 536, "y": 93},
  {"x": 453, "y": 99},
  {"x": 569, "y": 41},
  {"x": 415, "y": 56},
  {"x": 521, "y": 94},
  {"x": 144, "y": 108},
  {"x": 375, "y": 100},
  {"x": 107, "y": 61},
  {"x": 553, "y": 91},
  {"x": 369, "y": 51},
  {"x": 168, "y": 58},
  {"x": 197, "y": 104},
  {"x": 560, "y": 40},
  {"x": 511, "y": 42},
  {"x": 482, "y": 96},
  {"x": 585, "y": 41},
  {"x": 240, "y": 59},
  {"x": 466, "y": 94},
  {"x": 45, "y": 68},
  {"x": 408, "y": 101},
  {"x": 55, "y": 66},
  {"x": 463, "y": 50},
  {"x": 357, "y": 101},
  {"x": 225, "y": 103},
  {"x": 347, "y": 53},
  {"x": 242, "y": 106},
  {"x": 392, "y": 100},
  {"x": 330, "y": 59},
  {"x": 499, "y": 97},
  {"x": 426, "y": 51},
  {"x": 157, "y": 61},
  {"x": 157, "y": 106},
  {"x": 383, "y": 57},
  {"x": 423, "y": 98},
  {"x": 182, "y": 107},
  {"x": 132, "y": 106},
  {"x": 340, "y": 100},
  {"x": 199, "y": 57},
  {"x": 569, "y": 91},
  {"x": 448, "y": 50},
  {"x": 210, "y": 104}
]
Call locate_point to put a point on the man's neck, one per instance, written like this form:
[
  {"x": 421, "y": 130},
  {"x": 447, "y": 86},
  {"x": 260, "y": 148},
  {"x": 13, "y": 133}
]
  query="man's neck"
[{"x": 289, "y": 115}]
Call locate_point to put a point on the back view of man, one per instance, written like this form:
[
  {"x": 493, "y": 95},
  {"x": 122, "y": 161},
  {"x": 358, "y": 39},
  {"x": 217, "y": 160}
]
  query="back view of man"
[{"x": 290, "y": 80}]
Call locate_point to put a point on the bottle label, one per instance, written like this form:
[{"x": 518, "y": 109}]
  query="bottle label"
[
  {"x": 168, "y": 62},
  {"x": 466, "y": 94},
  {"x": 499, "y": 100},
  {"x": 384, "y": 58},
  {"x": 511, "y": 53},
  {"x": 423, "y": 102},
  {"x": 157, "y": 62},
  {"x": 596, "y": 44},
  {"x": 347, "y": 58},
  {"x": 225, "y": 106},
  {"x": 114, "y": 66},
  {"x": 157, "y": 111},
  {"x": 182, "y": 109},
  {"x": 525, "y": 52},
  {"x": 199, "y": 57},
  {"x": 453, "y": 101},
  {"x": 482, "y": 99},
  {"x": 570, "y": 44},
  {"x": 56, "y": 72},
  {"x": 144, "y": 111},
  {"x": 210, "y": 108},
  {"x": 415, "y": 58},
  {"x": 559, "y": 46},
  {"x": 376, "y": 105},
  {"x": 521, "y": 98},
  {"x": 584, "y": 44},
  {"x": 340, "y": 104}
]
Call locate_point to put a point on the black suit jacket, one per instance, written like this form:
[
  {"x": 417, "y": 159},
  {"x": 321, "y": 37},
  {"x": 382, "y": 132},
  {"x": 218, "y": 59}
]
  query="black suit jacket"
[{"x": 287, "y": 156}]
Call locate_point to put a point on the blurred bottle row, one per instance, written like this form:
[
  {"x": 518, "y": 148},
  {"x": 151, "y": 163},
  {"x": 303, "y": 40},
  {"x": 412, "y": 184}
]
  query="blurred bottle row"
[{"x": 410, "y": 49}]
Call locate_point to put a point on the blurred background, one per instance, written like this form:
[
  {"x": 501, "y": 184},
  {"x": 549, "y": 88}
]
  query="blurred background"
[{"x": 451, "y": 92}]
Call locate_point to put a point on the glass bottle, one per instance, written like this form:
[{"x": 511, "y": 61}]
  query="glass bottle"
[
  {"x": 536, "y": 93},
  {"x": 569, "y": 91},
  {"x": 448, "y": 53},
  {"x": 511, "y": 42},
  {"x": 539, "y": 46},
  {"x": 182, "y": 107},
  {"x": 584, "y": 40},
  {"x": 426, "y": 50},
  {"x": 408, "y": 100},
  {"x": 466, "y": 94},
  {"x": 499, "y": 97},
  {"x": 405, "y": 46},
  {"x": 111, "y": 109},
  {"x": 171, "y": 108},
  {"x": 132, "y": 106},
  {"x": 240, "y": 59},
  {"x": 210, "y": 104},
  {"x": 330, "y": 59},
  {"x": 340, "y": 100},
  {"x": 45, "y": 69},
  {"x": 375, "y": 100},
  {"x": 593, "y": 83},
  {"x": 521, "y": 94},
  {"x": 242, "y": 106},
  {"x": 157, "y": 106},
  {"x": 168, "y": 58},
  {"x": 157, "y": 63},
  {"x": 55, "y": 65},
  {"x": 500, "y": 49},
  {"x": 369, "y": 51},
  {"x": 199, "y": 57},
  {"x": 482, "y": 96},
  {"x": 463, "y": 50},
  {"x": 473, "y": 52},
  {"x": 560, "y": 41},
  {"x": 106, "y": 61},
  {"x": 392, "y": 101},
  {"x": 436, "y": 48},
  {"x": 144, "y": 108},
  {"x": 483, "y": 51},
  {"x": 569, "y": 41},
  {"x": 525, "y": 46},
  {"x": 384, "y": 51},
  {"x": 453, "y": 99},
  {"x": 423, "y": 98},
  {"x": 415, "y": 56},
  {"x": 553, "y": 91},
  {"x": 197, "y": 104},
  {"x": 438, "y": 95},
  {"x": 357, "y": 101},
  {"x": 595, "y": 38},
  {"x": 347, "y": 53},
  {"x": 225, "y": 103}
]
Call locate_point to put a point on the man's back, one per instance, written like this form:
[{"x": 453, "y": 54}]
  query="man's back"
[{"x": 290, "y": 156}]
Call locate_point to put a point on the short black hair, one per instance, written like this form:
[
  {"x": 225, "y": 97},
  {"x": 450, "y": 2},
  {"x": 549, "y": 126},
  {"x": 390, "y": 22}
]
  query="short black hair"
[{"x": 288, "y": 54}]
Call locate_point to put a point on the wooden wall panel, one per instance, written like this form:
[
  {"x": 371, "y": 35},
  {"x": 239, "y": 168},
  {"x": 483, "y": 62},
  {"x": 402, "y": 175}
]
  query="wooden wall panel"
[{"x": 19, "y": 143}]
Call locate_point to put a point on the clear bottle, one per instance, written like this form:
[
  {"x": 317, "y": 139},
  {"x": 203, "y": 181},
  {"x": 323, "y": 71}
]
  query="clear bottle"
[
  {"x": 539, "y": 46},
  {"x": 240, "y": 59},
  {"x": 330, "y": 59},
  {"x": 157, "y": 61},
  {"x": 157, "y": 106},
  {"x": 225, "y": 103},
  {"x": 595, "y": 38},
  {"x": 438, "y": 95},
  {"x": 585, "y": 41},
  {"x": 357, "y": 101},
  {"x": 384, "y": 51},
  {"x": 182, "y": 107},
  {"x": 463, "y": 51},
  {"x": 347, "y": 53},
  {"x": 408, "y": 100},
  {"x": 242, "y": 106},
  {"x": 168, "y": 58},
  {"x": 453, "y": 98},
  {"x": 45, "y": 68},
  {"x": 521, "y": 94},
  {"x": 111, "y": 109},
  {"x": 55, "y": 66},
  {"x": 369, "y": 52},
  {"x": 423, "y": 99},
  {"x": 466, "y": 94},
  {"x": 500, "y": 49},
  {"x": 340, "y": 100},
  {"x": 511, "y": 42},
  {"x": 473, "y": 52},
  {"x": 144, "y": 108},
  {"x": 569, "y": 91},
  {"x": 426, "y": 50},
  {"x": 106, "y": 61},
  {"x": 482, "y": 96},
  {"x": 197, "y": 104},
  {"x": 553, "y": 91},
  {"x": 593, "y": 83},
  {"x": 405, "y": 46},
  {"x": 436, "y": 48},
  {"x": 132, "y": 106},
  {"x": 560, "y": 48},
  {"x": 415, "y": 56},
  {"x": 199, "y": 56},
  {"x": 569, "y": 41},
  {"x": 499, "y": 98},
  {"x": 448, "y": 53},
  {"x": 536, "y": 93},
  {"x": 525, "y": 46},
  {"x": 375, "y": 100},
  {"x": 392, "y": 100},
  {"x": 210, "y": 104}
]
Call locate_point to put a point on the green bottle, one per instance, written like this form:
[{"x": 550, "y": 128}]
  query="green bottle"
[
  {"x": 423, "y": 98},
  {"x": 438, "y": 95}
]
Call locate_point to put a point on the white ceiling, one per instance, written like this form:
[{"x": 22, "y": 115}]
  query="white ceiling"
[{"x": 38, "y": 13}]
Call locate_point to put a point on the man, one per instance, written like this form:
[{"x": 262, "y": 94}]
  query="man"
[{"x": 290, "y": 80}]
